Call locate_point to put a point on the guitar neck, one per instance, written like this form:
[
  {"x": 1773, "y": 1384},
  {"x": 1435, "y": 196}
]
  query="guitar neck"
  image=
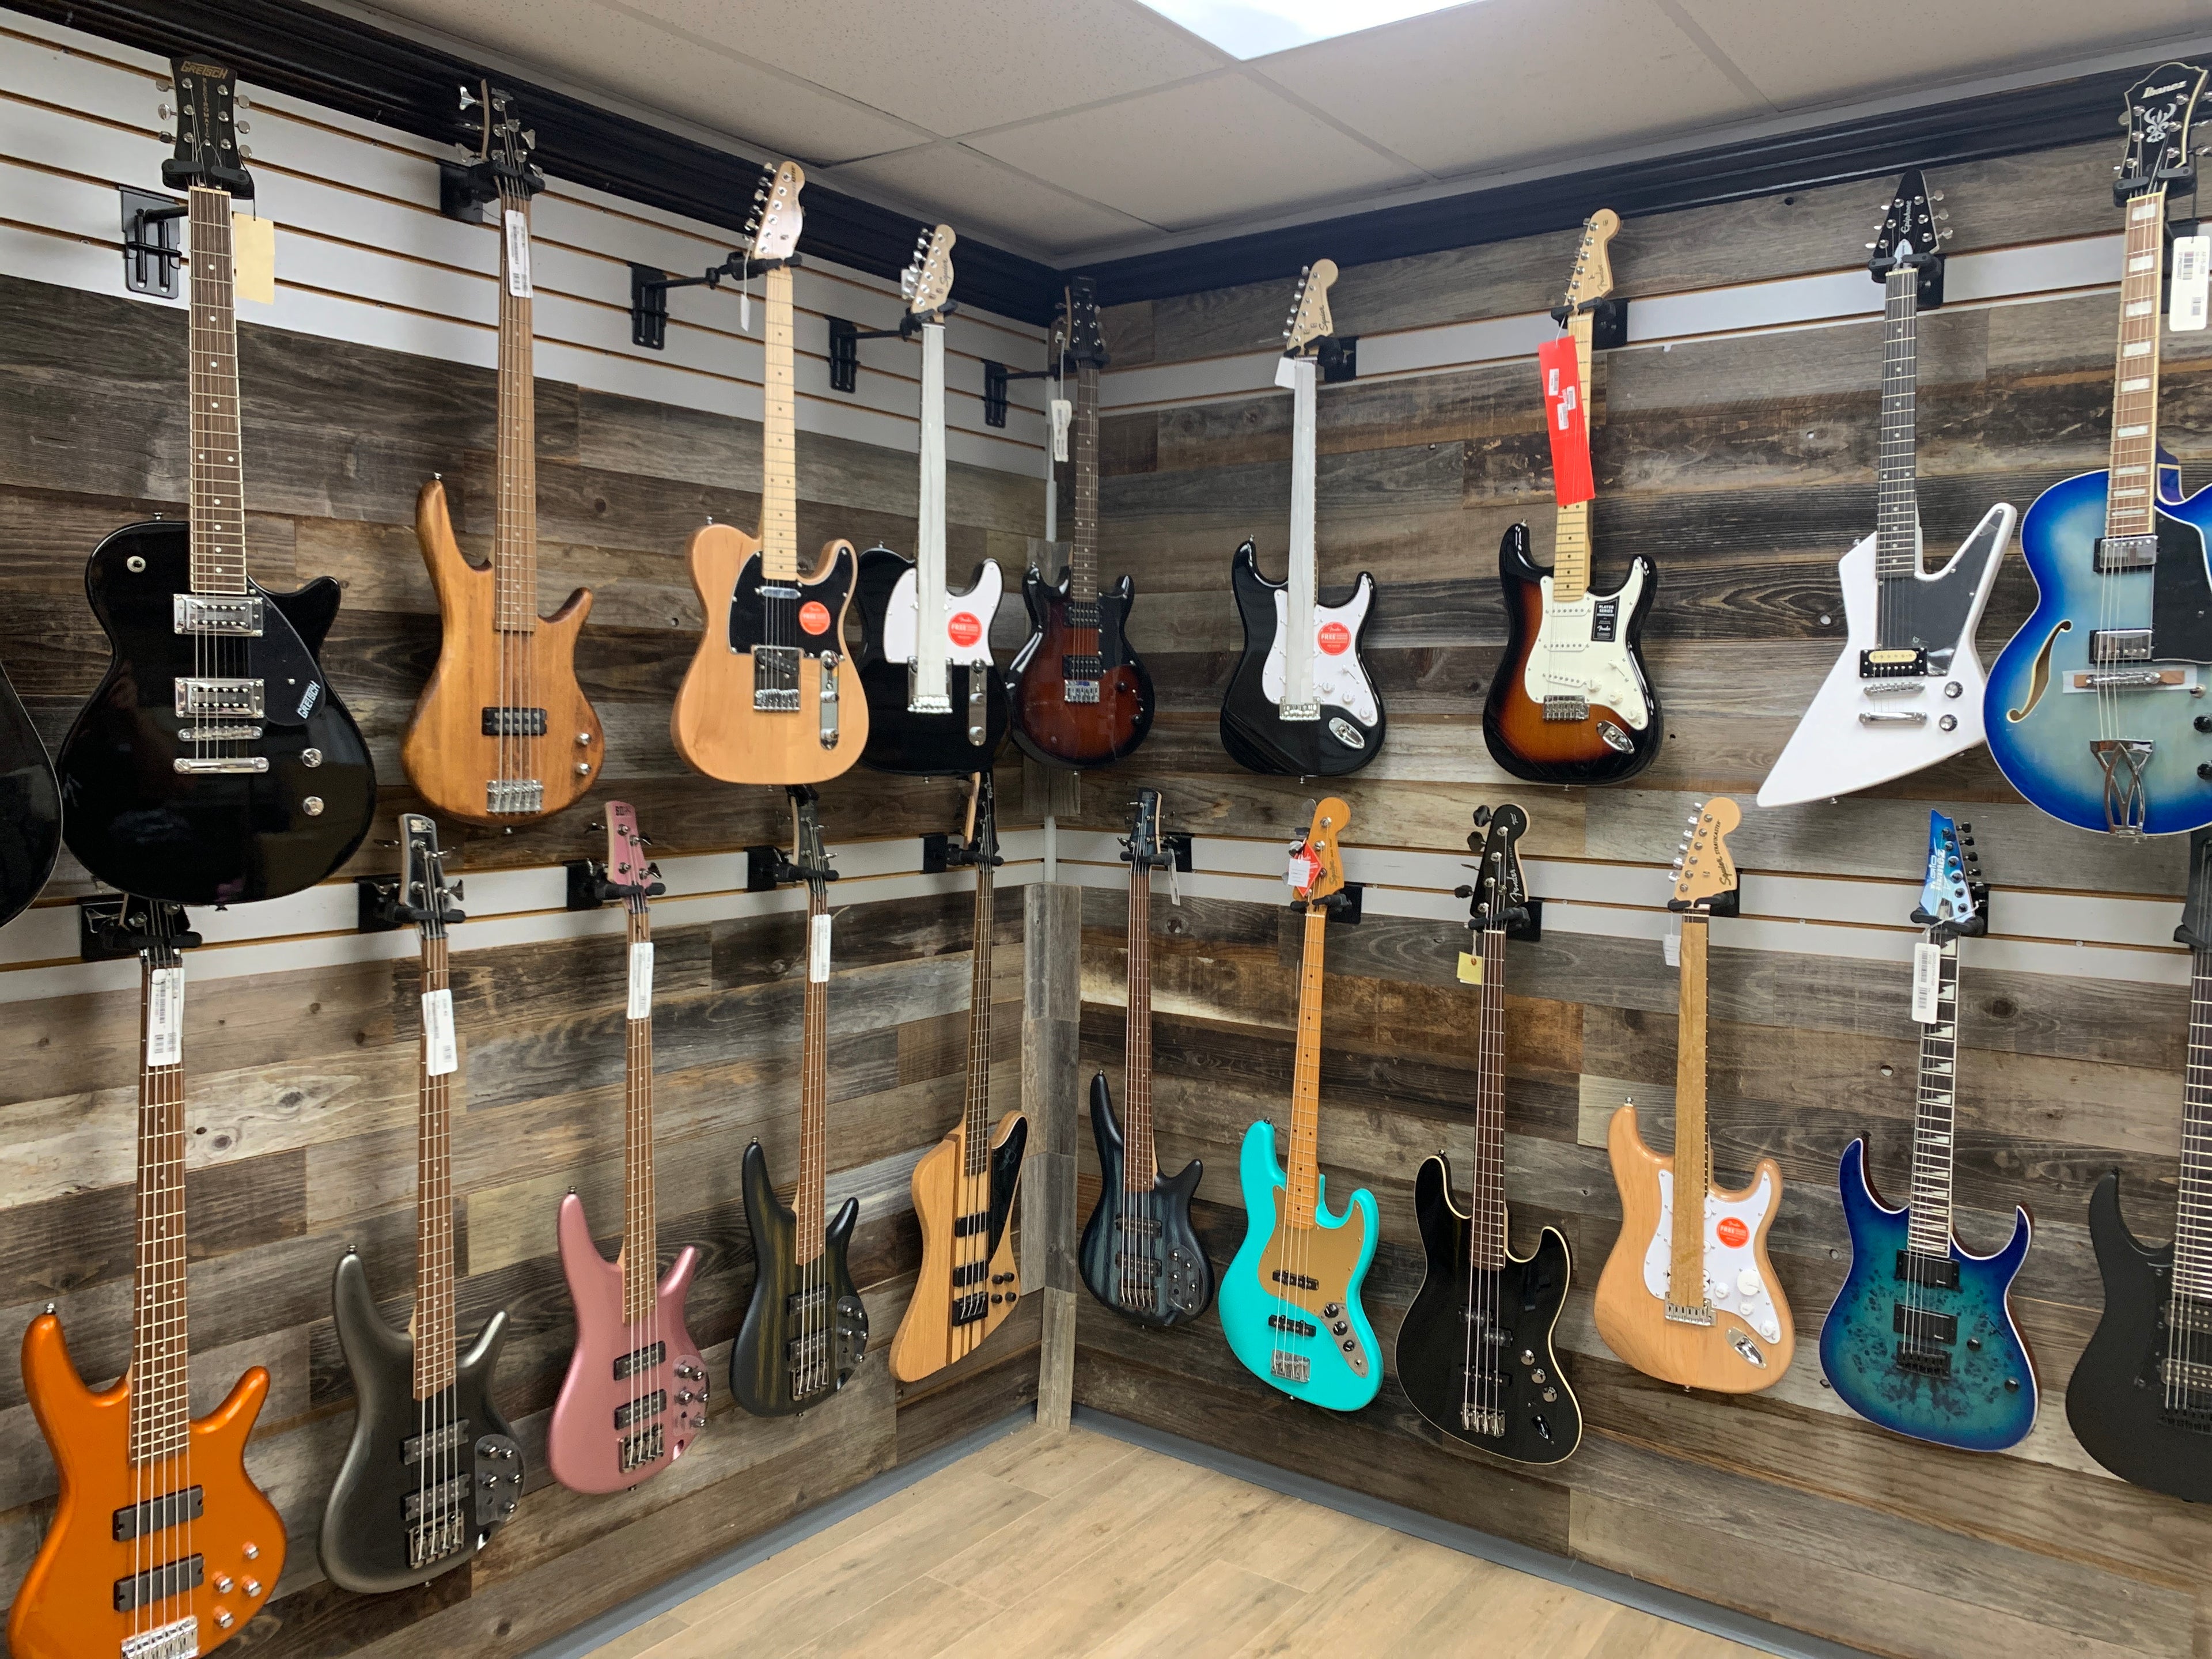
[
  {"x": 978, "y": 1118},
  {"x": 2130, "y": 491},
  {"x": 640, "y": 1219},
  {"x": 1298, "y": 698},
  {"x": 218, "y": 499},
  {"x": 1897, "y": 514},
  {"x": 1140, "y": 1160},
  {"x": 514, "y": 534},
  {"x": 932, "y": 649},
  {"x": 1693, "y": 1149},
  {"x": 814, "y": 1082},
  {"x": 160, "y": 1350},
  {"x": 1303, "y": 1170},
  {"x": 1571, "y": 555},
  {"x": 2192, "y": 1233},
  {"x": 1083, "y": 550},
  {"x": 433, "y": 1324},
  {"x": 1934, "y": 1118},
  {"x": 1486, "y": 1233},
  {"x": 778, "y": 523}
]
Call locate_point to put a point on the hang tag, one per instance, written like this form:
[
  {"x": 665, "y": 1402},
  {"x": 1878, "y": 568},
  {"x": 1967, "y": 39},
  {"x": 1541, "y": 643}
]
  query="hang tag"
[
  {"x": 1470, "y": 968},
  {"x": 1175, "y": 883},
  {"x": 253, "y": 259},
  {"x": 1062, "y": 412},
  {"x": 641, "y": 980},
  {"x": 2192, "y": 283},
  {"x": 1286, "y": 373},
  {"x": 165, "y": 1018},
  {"x": 439, "y": 1053},
  {"x": 817, "y": 950},
  {"x": 744, "y": 308},
  {"x": 1927, "y": 981},
  {"x": 1670, "y": 943},
  {"x": 518, "y": 255},
  {"x": 1559, "y": 364},
  {"x": 1304, "y": 867}
]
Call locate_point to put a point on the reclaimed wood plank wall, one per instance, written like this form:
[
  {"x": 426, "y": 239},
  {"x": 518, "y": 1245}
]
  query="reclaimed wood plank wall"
[{"x": 1742, "y": 461}]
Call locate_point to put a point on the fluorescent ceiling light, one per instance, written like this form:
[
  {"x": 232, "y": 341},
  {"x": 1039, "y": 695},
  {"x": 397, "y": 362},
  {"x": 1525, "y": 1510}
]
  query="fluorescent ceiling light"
[{"x": 1252, "y": 29}]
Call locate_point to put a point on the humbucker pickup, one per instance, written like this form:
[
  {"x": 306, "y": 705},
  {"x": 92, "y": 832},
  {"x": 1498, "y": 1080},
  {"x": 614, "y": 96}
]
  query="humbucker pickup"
[
  {"x": 180, "y": 1640},
  {"x": 1893, "y": 663},
  {"x": 159, "y": 1584},
  {"x": 2109, "y": 645},
  {"x": 1144, "y": 1266},
  {"x": 800, "y": 1301},
  {"x": 970, "y": 1273},
  {"x": 235, "y": 615},
  {"x": 967, "y": 1309},
  {"x": 2185, "y": 1376},
  {"x": 2125, "y": 553},
  {"x": 515, "y": 795},
  {"x": 632, "y": 1412},
  {"x": 158, "y": 1514},
  {"x": 441, "y": 1440},
  {"x": 199, "y": 699},
  {"x": 965, "y": 1226},
  {"x": 514, "y": 722},
  {"x": 436, "y": 1499},
  {"x": 1923, "y": 1325},
  {"x": 1144, "y": 1226},
  {"x": 1937, "y": 1272},
  {"x": 640, "y": 1360},
  {"x": 1079, "y": 668}
]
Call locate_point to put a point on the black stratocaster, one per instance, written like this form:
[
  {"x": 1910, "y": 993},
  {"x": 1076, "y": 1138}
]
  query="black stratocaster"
[{"x": 30, "y": 807}]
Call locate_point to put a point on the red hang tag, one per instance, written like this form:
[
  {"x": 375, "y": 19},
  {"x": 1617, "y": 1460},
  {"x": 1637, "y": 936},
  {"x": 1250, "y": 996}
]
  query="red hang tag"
[{"x": 1563, "y": 409}]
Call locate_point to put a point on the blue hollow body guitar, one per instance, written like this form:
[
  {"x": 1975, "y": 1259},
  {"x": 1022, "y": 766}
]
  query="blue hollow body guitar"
[
  {"x": 1290, "y": 1302},
  {"x": 2091, "y": 711},
  {"x": 1921, "y": 1339}
]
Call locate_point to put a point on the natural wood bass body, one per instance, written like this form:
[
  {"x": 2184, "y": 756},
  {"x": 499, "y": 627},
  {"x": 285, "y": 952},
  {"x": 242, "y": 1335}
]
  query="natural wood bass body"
[
  {"x": 927, "y": 1339},
  {"x": 448, "y": 757}
]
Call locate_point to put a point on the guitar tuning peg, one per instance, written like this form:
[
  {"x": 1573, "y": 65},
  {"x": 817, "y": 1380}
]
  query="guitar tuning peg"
[
  {"x": 246, "y": 152},
  {"x": 1936, "y": 197},
  {"x": 244, "y": 102},
  {"x": 163, "y": 83},
  {"x": 468, "y": 98},
  {"x": 1870, "y": 246},
  {"x": 246, "y": 126},
  {"x": 530, "y": 136}
]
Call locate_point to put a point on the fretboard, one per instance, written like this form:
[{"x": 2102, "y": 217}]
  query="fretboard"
[
  {"x": 1897, "y": 510},
  {"x": 640, "y": 1220},
  {"x": 1693, "y": 1149},
  {"x": 1570, "y": 549},
  {"x": 2134, "y": 385},
  {"x": 160, "y": 1350},
  {"x": 514, "y": 534},
  {"x": 931, "y": 690},
  {"x": 1303, "y": 1168},
  {"x": 978, "y": 1119},
  {"x": 1487, "y": 1231},
  {"x": 218, "y": 503},
  {"x": 433, "y": 1324},
  {"x": 1140, "y": 1162},
  {"x": 814, "y": 1082},
  {"x": 1082, "y": 551},
  {"x": 1929, "y": 1226},
  {"x": 779, "y": 523},
  {"x": 1298, "y": 698},
  {"x": 2192, "y": 1233}
]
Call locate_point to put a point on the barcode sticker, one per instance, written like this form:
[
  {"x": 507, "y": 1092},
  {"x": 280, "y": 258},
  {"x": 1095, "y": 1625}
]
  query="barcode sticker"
[
  {"x": 1670, "y": 942},
  {"x": 817, "y": 950},
  {"x": 440, "y": 1056},
  {"x": 253, "y": 259},
  {"x": 1927, "y": 980},
  {"x": 1470, "y": 968},
  {"x": 2192, "y": 283},
  {"x": 1062, "y": 412},
  {"x": 165, "y": 1018},
  {"x": 518, "y": 255},
  {"x": 641, "y": 980}
]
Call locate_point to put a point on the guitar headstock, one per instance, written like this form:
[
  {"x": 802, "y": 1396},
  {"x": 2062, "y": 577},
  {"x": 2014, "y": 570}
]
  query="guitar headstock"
[
  {"x": 810, "y": 855},
  {"x": 1499, "y": 895},
  {"x": 777, "y": 216},
  {"x": 1592, "y": 277},
  {"x": 2195, "y": 928},
  {"x": 157, "y": 929},
  {"x": 926, "y": 282},
  {"x": 504, "y": 147},
  {"x": 2161, "y": 109},
  {"x": 426, "y": 898},
  {"x": 1086, "y": 342},
  {"x": 1310, "y": 319},
  {"x": 1142, "y": 849},
  {"x": 1705, "y": 869},
  {"x": 1954, "y": 898},
  {"x": 977, "y": 847},
  {"x": 1324, "y": 859},
  {"x": 631, "y": 876},
  {"x": 1910, "y": 235},
  {"x": 208, "y": 152}
]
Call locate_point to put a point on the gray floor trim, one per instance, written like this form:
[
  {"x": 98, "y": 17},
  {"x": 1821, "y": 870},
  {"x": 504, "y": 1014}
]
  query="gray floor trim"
[
  {"x": 1597, "y": 1581},
  {"x": 620, "y": 1621}
]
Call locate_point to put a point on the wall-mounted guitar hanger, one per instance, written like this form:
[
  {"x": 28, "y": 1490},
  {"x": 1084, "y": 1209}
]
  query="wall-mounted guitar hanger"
[{"x": 649, "y": 295}]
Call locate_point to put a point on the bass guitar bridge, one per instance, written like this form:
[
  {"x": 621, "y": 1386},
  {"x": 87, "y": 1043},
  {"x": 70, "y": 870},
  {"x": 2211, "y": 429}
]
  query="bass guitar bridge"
[{"x": 178, "y": 1641}]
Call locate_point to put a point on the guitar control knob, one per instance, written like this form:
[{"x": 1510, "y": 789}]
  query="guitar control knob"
[
  {"x": 222, "y": 1584},
  {"x": 312, "y": 807},
  {"x": 2205, "y": 771},
  {"x": 1550, "y": 1394},
  {"x": 1536, "y": 1376},
  {"x": 1329, "y": 1311},
  {"x": 583, "y": 768},
  {"x": 1350, "y": 1345},
  {"x": 2202, "y": 722},
  {"x": 1953, "y": 689},
  {"x": 1948, "y": 723},
  {"x": 251, "y": 1551},
  {"x": 584, "y": 738},
  {"x": 1528, "y": 1356},
  {"x": 252, "y": 1587},
  {"x": 223, "y": 1620}
]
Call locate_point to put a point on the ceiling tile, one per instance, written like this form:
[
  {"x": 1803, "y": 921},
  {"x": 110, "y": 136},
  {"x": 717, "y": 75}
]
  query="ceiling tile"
[
  {"x": 1806, "y": 54},
  {"x": 1483, "y": 86},
  {"x": 1210, "y": 150},
  {"x": 987, "y": 198}
]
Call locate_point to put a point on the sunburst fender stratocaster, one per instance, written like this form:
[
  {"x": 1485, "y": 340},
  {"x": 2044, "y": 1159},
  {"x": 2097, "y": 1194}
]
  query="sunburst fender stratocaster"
[
  {"x": 1688, "y": 1295},
  {"x": 1290, "y": 1301},
  {"x": 963, "y": 1188},
  {"x": 1571, "y": 702},
  {"x": 770, "y": 697},
  {"x": 162, "y": 1547}
]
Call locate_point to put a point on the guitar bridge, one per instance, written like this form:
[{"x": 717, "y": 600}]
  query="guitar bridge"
[
  {"x": 1291, "y": 1367},
  {"x": 220, "y": 766},
  {"x": 1566, "y": 709},
  {"x": 1687, "y": 1314},
  {"x": 978, "y": 718},
  {"x": 2127, "y": 808},
  {"x": 1479, "y": 1419},
  {"x": 639, "y": 1450},
  {"x": 826, "y": 699},
  {"x": 180, "y": 1640},
  {"x": 1298, "y": 711},
  {"x": 515, "y": 795}
]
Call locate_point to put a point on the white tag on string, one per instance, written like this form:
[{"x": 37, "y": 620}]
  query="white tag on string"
[
  {"x": 1286, "y": 373},
  {"x": 253, "y": 259},
  {"x": 1062, "y": 412},
  {"x": 165, "y": 1018},
  {"x": 817, "y": 950},
  {"x": 641, "y": 980},
  {"x": 1927, "y": 982},
  {"x": 1174, "y": 881},
  {"x": 441, "y": 1055},
  {"x": 1303, "y": 869},
  {"x": 518, "y": 255},
  {"x": 1671, "y": 942},
  {"x": 2192, "y": 283}
]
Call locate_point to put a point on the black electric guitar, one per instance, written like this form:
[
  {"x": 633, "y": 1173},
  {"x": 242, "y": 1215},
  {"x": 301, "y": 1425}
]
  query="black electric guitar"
[
  {"x": 30, "y": 807},
  {"x": 214, "y": 765},
  {"x": 1140, "y": 1254},
  {"x": 434, "y": 1470},
  {"x": 1474, "y": 1355},
  {"x": 2141, "y": 1399}
]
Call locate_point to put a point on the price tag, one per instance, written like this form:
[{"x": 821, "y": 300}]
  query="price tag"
[
  {"x": 1670, "y": 944},
  {"x": 165, "y": 1018},
  {"x": 253, "y": 259},
  {"x": 1560, "y": 365},
  {"x": 1927, "y": 980},
  {"x": 439, "y": 1053},
  {"x": 518, "y": 255},
  {"x": 1470, "y": 968},
  {"x": 1303, "y": 868},
  {"x": 641, "y": 980},
  {"x": 1062, "y": 412},
  {"x": 2192, "y": 283},
  {"x": 817, "y": 950}
]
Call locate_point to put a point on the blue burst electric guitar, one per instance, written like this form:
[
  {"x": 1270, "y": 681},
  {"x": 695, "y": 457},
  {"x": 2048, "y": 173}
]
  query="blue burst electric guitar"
[
  {"x": 1290, "y": 1302},
  {"x": 2091, "y": 710},
  {"x": 1921, "y": 1339}
]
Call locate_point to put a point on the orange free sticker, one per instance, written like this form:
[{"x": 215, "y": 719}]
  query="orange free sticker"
[
  {"x": 964, "y": 628},
  {"x": 1734, "y": 1233},
  {"x": 814, "y": 617},
  {"x": 1335, "y": 638}
]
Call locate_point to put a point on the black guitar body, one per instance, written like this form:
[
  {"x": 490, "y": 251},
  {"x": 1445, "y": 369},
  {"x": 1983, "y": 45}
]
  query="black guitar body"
[
  {"x": 1139, "y": 1254},
  {"x": 1253, "y": 729},
  {"x": 208, "y": 838},
  {"x": 367, "y": 1543},
  {"x": 792, "y": 1304},
  {"x": 752, "y": 623},
  {"x": 1436, "y": 1349},
  {"x": 2115, "y": 1403},
  {"x": 30, "y": 807},
  {"x": 900, "y": 740}
]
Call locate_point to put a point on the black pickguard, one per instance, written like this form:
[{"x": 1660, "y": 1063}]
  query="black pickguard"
[
  {"x": 1006, "y": 1171},
  {"x": 1177, "y": 1269},
  {"x": 1930, "y": 613},
  {"x": 30, "y": 807},
  {"x": 1433, "y": 1343},
  {"x": 140, "y": 825},
  {"x": 364, "y": 1545},
  {"x": 754, "y": 619},
  {"x": 2181, "y": 595},
  {"x": 2115, "y": 1403},
  {"x": 899, "y": 740},
  {"x": 761, "y": 1372},
  {"x": 1252, "y": 730}
]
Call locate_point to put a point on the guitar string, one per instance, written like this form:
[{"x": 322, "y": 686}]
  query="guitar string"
[{"x": 2189, "y": 1333}]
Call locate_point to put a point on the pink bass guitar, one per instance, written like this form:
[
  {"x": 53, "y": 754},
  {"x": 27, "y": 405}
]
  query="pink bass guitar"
[{"x": 636, "y": 1391}]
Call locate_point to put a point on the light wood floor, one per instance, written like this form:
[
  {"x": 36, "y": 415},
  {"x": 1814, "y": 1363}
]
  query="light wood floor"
[{"x": 1082, "y": 1545}]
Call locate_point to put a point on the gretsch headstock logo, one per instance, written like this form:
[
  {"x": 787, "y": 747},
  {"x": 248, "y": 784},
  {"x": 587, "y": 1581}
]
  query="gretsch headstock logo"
[{"x": 213, "y": 71}]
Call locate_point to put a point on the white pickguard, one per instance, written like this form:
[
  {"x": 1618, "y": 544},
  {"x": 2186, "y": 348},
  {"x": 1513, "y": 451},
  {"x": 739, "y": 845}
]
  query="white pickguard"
[
  {"x": 1566, "y": 662},
  {"x": 1832, "y": 752},
  {"x": 978, "y": 604},
  {"x": 1339, "y": 680},
  {"x": 1733, "y": 1281}
]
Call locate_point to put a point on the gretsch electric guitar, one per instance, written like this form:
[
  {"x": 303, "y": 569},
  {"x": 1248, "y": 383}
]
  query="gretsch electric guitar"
[
  {"x": 162, "y": 1546},
  {"x": 1301, "y": 702},
  {"x": 771, "y": 696},
  {"x": 635, "y": 1395},
  {"x": 1571, "y": 702},
  {"x": 963, "y": 1188},
  {"x": 1081, "y": 697},
  {"x": 1907, "y": 690},
  {"x": 2141, "y": 1398},
  {"x": 2091, "y": 710},
  {"x": 937, "y": 706},
  {"x": 1290, "y": 1302},
  {"x": 214, "y": 764},
  {"x": 1139, "y": 1254},
  {"x": 1688, "y": 1295},
  {"x": 502, "y": 734},
  {"x": 433, "y": 1469},
  {"x": 30, "y": 807},
  {"x": 1474, "y": 1352},
  {"x": 1921, "y": 1339},
  {"x": 805, "y": 1330}
]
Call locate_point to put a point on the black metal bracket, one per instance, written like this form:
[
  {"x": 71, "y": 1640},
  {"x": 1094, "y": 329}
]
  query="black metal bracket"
[
  {"x": 153, "y": 243},
  {"x": 1339, "y": 355},
  {"x": 108, "y": 930},
  {"x": 942, "y": 852},
  {"x": 589, "y": 888},
  {"x": 995, "y": 377},
  {"x": 1345, "y": 905},
  {"x": 1730, "y": 903},
  {"x": 648, "y": 293},
  {"x": 845, "y": 345},
  {"x": 465, "y": 189},
  {"x": 379, "y": 905},
  {"x": 1525, "y": 921},
  {"x": 763, "y": 866},
  {"x": 1608, "y": 322},
  {"x": 1177, "y": 843}
]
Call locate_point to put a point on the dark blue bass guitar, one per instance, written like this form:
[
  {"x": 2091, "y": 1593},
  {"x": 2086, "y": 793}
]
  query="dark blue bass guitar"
[{"x": 1921, "y": 1339}]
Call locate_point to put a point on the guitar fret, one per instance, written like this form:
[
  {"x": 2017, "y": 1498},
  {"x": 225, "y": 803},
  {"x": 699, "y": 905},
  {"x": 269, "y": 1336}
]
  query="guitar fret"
[
  {"x": 1897, "y": 520},
  {"x": 779, "y": 524},
  {"x": 1571, "y": 559},
  {"x": 218, "y": 489},
  {"x": 514, "y": 535},
  {"x": 1928, "y": 1223},
  {"x": 1083, "y": 550},
  {"x": 2128, "y": 511}
]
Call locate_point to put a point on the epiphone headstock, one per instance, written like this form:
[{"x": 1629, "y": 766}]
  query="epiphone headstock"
[
  {"x": 504, "y": 147},
  {"x": 1324, "y": 858},
  {"x": 1954, "y": 898},
  {"x": 426, "y": 898},
  {"x": 1705, "y": 869},
  {"x": 1499, "y": 895},
  {"x": 1086, "y": 342},
  {"x": 926, "y": 282},
  {"x": 1310, "y": 319},
  {"x": 208, "y": 152},
  {"x": 1913, "y": 233},
  {"x": 777, "y": 216},
  {"x": 2161, "y": 109},
  {"x": 1591, "y": 279}
]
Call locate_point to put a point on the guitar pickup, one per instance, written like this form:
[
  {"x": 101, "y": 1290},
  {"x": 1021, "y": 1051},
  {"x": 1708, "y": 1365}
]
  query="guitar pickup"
[
  {"x": 441, "y": 1440},
  {"x": 800, "y": 1300},
  {"x": 639, "y": 1359},
  {"x": 158, "y": 1514},
  {"x": 437, "y": 1500},
  {"x": 2125, "y": 553},
  {"x": 966, "y": 1226},
  {"x": 1937, "y": 1272},
  {"x": 970, "y": 1273},
  {"x": 1297, "y": 1281},
  {"x": 159, "y": 1584},
  {"x": 2111, "y": 645},
  {"x": 637, "y": 1410},
  {"x": 514, "y": 722},
  {"x": 204, "y": 699},
  {"x": 1921, "y": 1326},
  {"x": 1292, "y": 1326},
  {"x": 234, "y": 616},
  {"x": 1893, "y": 663}
]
